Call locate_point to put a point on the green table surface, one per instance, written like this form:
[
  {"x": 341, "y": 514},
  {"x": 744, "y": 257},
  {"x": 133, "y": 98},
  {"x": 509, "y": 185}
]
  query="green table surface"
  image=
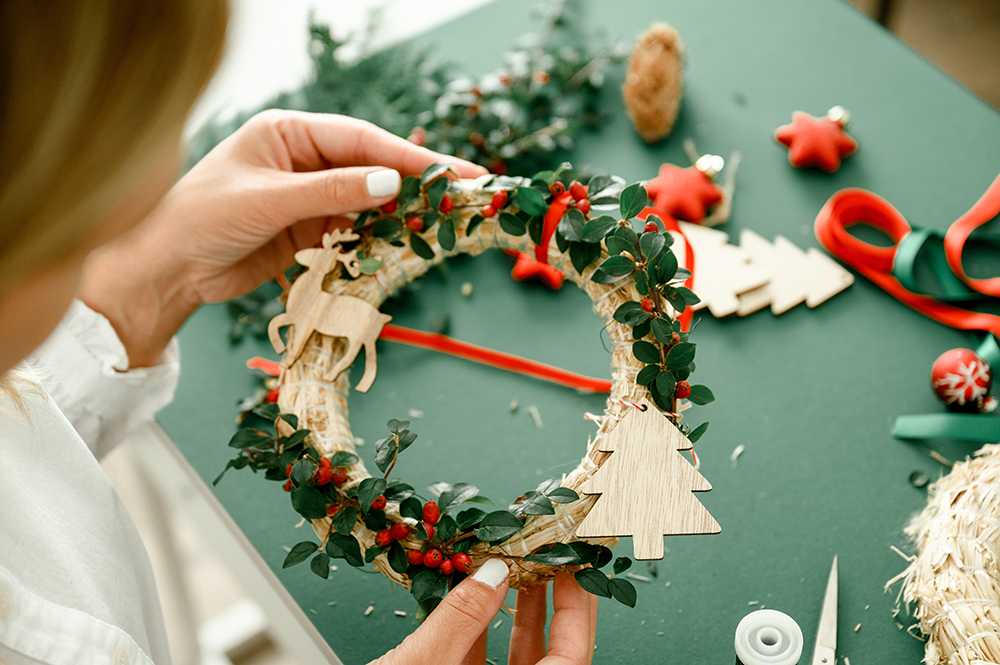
[{"x": 812, "y": 394}]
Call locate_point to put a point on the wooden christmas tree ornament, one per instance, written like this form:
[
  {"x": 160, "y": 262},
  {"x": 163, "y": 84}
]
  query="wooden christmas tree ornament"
[{"x": 646, "y": 486}]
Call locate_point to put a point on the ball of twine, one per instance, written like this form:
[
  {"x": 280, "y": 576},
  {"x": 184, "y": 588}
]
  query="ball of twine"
[
  {"x": 955, "y": 578},
  {"x": 322, "y": 406}
]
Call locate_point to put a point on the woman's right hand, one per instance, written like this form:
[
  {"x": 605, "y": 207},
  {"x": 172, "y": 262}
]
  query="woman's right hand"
[{"x": 455, "y": 632}]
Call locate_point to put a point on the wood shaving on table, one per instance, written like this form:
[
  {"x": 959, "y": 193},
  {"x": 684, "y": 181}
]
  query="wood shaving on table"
[
  {"x": 753, "y": 602},
  {"x": 467, "y": 289},
  {"x": 400, "y": 613},
  {"x": 735, "y": 455},
  {"x": 371, "y": 608},
  {"x": 416, "y": 414},
  {"x": 641, "y": 578},
  {"x": 857, "y": 628},
  {"x": 497, "y": 623},
  {"x": 331, "y": 603},
  {"x": 536, "y": 416}
]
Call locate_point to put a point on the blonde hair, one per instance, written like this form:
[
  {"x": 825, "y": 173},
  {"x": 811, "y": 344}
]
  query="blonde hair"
[{"x": 91, "y": 91}]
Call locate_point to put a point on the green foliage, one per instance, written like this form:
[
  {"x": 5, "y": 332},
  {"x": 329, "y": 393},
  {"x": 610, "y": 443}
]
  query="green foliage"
[
  {"x": 299, "y": 553},
  {"x": 498, "y": 526}
]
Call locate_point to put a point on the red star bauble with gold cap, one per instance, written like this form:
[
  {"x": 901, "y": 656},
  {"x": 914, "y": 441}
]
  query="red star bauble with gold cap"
[{"x": 817, "y": 142}]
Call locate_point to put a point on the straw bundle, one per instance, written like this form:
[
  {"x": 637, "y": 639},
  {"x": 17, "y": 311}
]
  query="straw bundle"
[
  {"x": 955, "y": 579},
  {"x": 322, "y": 406}
]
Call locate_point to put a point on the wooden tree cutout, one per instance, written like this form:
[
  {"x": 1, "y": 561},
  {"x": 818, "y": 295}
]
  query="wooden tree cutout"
[
  {"x": 310, "y": 309},
  {"x": 646, "y": 486},
  {"x": 722, "y": 271}
]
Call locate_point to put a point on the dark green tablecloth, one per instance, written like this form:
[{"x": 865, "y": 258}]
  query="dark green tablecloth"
[{"x": 812, "y": 394}]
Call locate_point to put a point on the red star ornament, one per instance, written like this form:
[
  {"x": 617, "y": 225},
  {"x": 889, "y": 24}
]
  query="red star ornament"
[
  {"x": 526, "y": 267},
  {"x": 816, "y": 142},
  {"x": 686, "y": 194}
]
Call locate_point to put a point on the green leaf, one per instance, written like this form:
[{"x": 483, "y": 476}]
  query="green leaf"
[
  {"x": 398, "y": 491},
  {"x": 428, "y": 584},
  {"x": 362, "y": 218},
  {"x": 479, "y": 499},
  {"x": 446, "y": 528},
  {"x": 622, "y": 564},
  {"x": 512, "y": 224},
  {"x": 397, "y": 557},
  {"x": 424, "y": 608},
  {"x": 534, "y": 503},
  {"x": 563, "y": 495},
  {"x": 662, "y": 331},
  {"x": 406, "y": 438},
  {"x": 530, "y": 201},
  {"x": 370, "y": 265},
  {"x": 632, "y": 200},
  {"x": 321, "y": 565},
  {"x": 595, "y": 229},
  {"x": 598, "y": 184},
  {"x": 267, "y": 411},
  {"x": 433, "y": 171},
  {"x": 386, "y": 227},
  {"x": 470, "y": 517},
  {"x": 623, "y": 591},
  {"x": 368, "y": 490},
  {"x": 582, "y": 254},
  {"x": 647, "y": 375},
  {"x": 646, "y": 352},
  {"x": 372, "y": 553},
  {"x": 386, "y": 453},
  {"x": 618, "y": 265},
  {"x": 701, "y": 395},
  {"x": 251, "y": 438},
  {"x": 601, "y": 277},
  {"x": 680, "y": 355},
  {"x": 641, "y": 282},
  {"x": 345, "y": 547},
  {"x": 651, "y": 244},
  {"x": 237, "y": 463},
  {"x": 618, "y": 245},
  {"x": 597, "y": 555},
  {"x": 397, "y": 426},
  {"x": 430, "y": 219},
  {"x": 630, "y": 313},
  {"x": 640, "y": 331},
  {"x": 628, "y": 234},
  {"x": 420, "y": 247},
  {"x": 302, "y": 472},
  {"x": 299, "y": 553},
  {"x": 408, "y": 190},
  {"x": 375, "y": 520},
  {"x": 446, "y": 234},
  {"x": 498, "y": 526},
  {"x": 309, "y": 502},
  {"x": 412, "y": 508},
  {"x": 342, "y": 458},
  {"x": 665, "y": 383},
  {"x": 555, "y": 554},
  {"x": 571, "y": 225},
  {"x": 436, "y": 191},
  {"x": 666, "y": 268},
  {"x": 344, "y": 520},
  {"x": 476, "y": 220},
  {"x": 295, "y": 438},
  {"x": 456, "y": 496},
  {"x": 593, "y": 581},
  {"x": 689, "y": 296},
  {"x": 697, "y": 432}
]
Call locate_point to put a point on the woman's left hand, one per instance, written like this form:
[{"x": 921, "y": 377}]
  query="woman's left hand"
[{"x": 237, "y": 218}]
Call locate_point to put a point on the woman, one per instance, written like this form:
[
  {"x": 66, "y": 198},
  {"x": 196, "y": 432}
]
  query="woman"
[{"x": 93, "y": 96}]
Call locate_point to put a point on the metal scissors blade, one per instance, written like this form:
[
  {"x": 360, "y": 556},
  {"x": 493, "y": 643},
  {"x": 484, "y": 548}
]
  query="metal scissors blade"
[{"x": 825, "y": 652}]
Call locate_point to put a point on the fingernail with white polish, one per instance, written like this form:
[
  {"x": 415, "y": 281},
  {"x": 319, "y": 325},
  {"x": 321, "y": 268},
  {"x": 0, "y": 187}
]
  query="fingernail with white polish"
[
  {"x": 492, "y": 573},
  {"x": 382, "y": 183}
]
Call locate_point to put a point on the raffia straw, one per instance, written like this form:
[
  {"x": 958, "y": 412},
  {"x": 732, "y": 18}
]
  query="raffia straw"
[
  {"x": 322, "y": 406},
  {"x": 955, "y": 578}
]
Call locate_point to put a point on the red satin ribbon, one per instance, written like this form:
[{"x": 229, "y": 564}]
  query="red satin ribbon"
[
  {"x": 492, "y": 358},
  {"x": 858, "y": 206},
  {"x": 551, "y": 220}
]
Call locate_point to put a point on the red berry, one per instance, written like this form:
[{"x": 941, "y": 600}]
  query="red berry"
[
  {"x": 675, "y": 338},
  {"x": 557, "y": 188},
  {"x": 446, "y": 204},
  {"x": 578, "y": 190},
  {"x": 462, "y": 562},
  {"x": 487, "y": 211},
  {"x": 338, "y": 475},
  {"x": 415, "y": 557},
  {"x": 583, "y": 206},
  {"x": 682, "y": 390},
  {"x": 288, "y": 471},
  {"x": 399, "y": 530},
  {"x": 390, "y": 207},
  {"x": 323, "y": 475},
  {"x": 432, "y": 512},
  {"x": 646, "y": 304},
  {"x": 499, "y": 167},
  {"x": 429, "y": 528},
  {"x": 379, "y": 503},
  {"x": 500, "y": 199},
  {"x": 651, "y": 227},
  {"x": 324, "y": 461},
  {"x": 433, "y": 558},
  {"x": 383, "y": 538},
  {"x": 331, "y": 510},
  {"x": 446, "y": 567},
  {"x": 288, "y": 486},
  {"x": 415, "y": 224},
  {"x": 272, "y": 395}
]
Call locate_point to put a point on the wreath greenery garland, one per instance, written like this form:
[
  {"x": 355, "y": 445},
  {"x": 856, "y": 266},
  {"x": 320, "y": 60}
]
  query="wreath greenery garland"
[{"x": 438, "y": 533}]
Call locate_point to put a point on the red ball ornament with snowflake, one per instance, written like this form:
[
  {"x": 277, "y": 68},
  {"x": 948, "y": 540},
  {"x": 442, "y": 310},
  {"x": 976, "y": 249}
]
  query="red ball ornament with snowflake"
[{"x": 962, "y": 380}]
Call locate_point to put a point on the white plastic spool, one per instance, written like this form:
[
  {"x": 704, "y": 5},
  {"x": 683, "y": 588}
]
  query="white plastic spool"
[{"x": 768, "y": 637}]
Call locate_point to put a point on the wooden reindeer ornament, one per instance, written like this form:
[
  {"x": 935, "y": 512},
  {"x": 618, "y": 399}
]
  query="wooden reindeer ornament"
[
  {"x": 646, "y": 486},
  {"x": 310, "y": 309}
]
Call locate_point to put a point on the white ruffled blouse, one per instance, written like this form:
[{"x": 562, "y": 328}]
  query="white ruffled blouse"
[{"x": 76, "y": 585}]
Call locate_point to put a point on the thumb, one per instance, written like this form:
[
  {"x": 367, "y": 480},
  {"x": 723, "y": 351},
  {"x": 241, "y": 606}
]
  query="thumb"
[
  {"x": 339, "y": 191},
  {"x": 454, "y": 626}
]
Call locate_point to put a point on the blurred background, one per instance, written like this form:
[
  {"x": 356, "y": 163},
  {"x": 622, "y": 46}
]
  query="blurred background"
[{"x": 210, "y": 618}]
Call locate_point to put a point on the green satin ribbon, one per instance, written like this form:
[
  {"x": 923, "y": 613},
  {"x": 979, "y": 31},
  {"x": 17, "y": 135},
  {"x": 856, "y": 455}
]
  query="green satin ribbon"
[{"x": 930, "y": 243}]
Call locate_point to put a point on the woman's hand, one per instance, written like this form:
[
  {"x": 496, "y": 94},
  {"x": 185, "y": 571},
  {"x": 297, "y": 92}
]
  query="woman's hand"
[
  {"x": 238, "y": 217},
  {"x": 455, "y": 633}
]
